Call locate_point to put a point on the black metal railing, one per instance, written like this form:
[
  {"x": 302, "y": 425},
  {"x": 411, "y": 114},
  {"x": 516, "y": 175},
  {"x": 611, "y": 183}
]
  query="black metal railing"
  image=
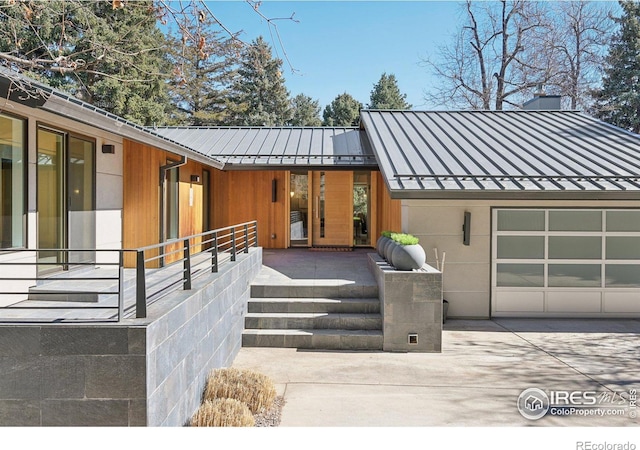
[
  {"x": 173, "y": 265},
  {"x": 157, "y": 270}
]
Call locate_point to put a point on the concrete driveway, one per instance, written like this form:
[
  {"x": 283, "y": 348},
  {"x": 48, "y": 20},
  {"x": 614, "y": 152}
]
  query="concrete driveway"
[{"x": 476, "y": 380}]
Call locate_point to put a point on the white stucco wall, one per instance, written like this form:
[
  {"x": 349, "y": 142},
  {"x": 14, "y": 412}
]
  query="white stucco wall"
[{"x": 467, "y": 270}]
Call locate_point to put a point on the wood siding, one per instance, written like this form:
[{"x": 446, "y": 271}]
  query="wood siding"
[
  {"x": 243, "y": 196},
  {"x": 141, "y": 209},
  {"x": 387, "y": 210},
  {"x": 338, "y": 208}
]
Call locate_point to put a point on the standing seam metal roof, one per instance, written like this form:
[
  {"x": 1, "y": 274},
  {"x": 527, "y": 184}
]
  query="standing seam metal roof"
[
  {"x": 279, "y": 147},
  {"x": 421, "y": 153}
]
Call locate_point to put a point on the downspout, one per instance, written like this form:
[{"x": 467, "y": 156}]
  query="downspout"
[{"x": 163, "y": 176}]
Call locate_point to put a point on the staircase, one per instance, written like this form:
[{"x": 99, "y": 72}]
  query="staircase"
[{"x": 331, "y": 317}]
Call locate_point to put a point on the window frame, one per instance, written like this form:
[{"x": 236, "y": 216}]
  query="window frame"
[{"x": 25, "y": 183}]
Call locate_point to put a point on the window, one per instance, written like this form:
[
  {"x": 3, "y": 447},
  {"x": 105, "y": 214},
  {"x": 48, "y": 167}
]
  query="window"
[
  {"x": 567, "y": 248},
  {"x": 171, "y": 199},
  {"x": 12, "y": 181}
]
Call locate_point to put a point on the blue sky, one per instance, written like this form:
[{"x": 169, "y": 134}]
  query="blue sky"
[{"x": 340, "y": 46}]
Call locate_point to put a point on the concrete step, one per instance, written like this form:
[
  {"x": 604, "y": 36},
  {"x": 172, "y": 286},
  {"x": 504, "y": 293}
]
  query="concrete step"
[
  {"x": 313, "y": 321},
  {"x": 315, "y": 305},
  {"x": 329, "y": 290},
  {"x": 314, "y": 339}
]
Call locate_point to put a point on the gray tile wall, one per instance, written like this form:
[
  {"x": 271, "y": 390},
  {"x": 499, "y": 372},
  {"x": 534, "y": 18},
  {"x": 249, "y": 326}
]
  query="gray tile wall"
[
  {"x": 138, "y": 372},
  {"x": 194, "y": 336},
  {"x": 411, "y": 302},
  {"x": 72, "y": 375}
]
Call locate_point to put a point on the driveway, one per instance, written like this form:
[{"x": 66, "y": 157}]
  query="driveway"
[{"x": 476, "y": 380}]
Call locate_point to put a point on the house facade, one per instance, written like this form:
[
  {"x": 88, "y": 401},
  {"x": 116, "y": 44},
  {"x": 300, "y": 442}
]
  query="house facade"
[{"x": 537, "y": 212}]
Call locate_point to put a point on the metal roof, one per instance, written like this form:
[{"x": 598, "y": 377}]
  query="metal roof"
[
  {"x": 279, "y": 147},
  {"x": 440, "y": 154},
  {"x": 22, "y": 89}
]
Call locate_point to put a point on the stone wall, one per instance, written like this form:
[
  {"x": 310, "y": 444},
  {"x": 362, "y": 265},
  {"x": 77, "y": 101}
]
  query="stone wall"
[
  {"x": 134, "y": 373},
  {"x": 411, "y": 304}
]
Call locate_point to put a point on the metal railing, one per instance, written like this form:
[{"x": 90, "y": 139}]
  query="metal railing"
[
  {"x": 174, "y": 264},
  {"x": 157, "y": 271}
]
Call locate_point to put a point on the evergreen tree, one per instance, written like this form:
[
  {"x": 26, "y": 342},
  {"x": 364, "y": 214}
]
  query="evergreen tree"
[
  {"x": 305, "y": 112},
  {"x": 386, "y": 94},
  {"x": 106, "y": 53},
  {"x": 343, "y": 111},
  {"x": 203, "y": 74},
  {"x": 137, "y": 89},
  {"x": 618, "y": 101},
  {"x": 260, "y": 88}
]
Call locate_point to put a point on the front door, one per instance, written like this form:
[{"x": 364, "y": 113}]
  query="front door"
[{"x": 332, "y": 208}]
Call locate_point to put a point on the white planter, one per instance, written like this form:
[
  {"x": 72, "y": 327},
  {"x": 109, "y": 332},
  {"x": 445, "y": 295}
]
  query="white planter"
[{"x": 408, "y": 257}]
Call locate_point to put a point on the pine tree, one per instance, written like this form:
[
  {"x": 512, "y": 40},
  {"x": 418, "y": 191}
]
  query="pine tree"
[
  {"x": 260, "y": 88},
  {"x": 138, "y": 89},
  {"x": 110, "y": 54},
  {"x": 386, "y": 94},
  {"x": 203, "y": 74},
  {"x": 305, "y": 112},
  {"x": 344, "y": 111},
  {"x": 618, "y": 101}
]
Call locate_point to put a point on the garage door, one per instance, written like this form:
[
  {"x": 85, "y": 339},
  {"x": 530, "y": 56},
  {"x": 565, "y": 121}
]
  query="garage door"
[{"x": 566, "y": 262}]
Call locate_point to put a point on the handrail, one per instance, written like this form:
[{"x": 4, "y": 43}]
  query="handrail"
[{"x": 177, "y": 263}]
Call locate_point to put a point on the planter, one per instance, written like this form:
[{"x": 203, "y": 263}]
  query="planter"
[
  {"x": 388, "y": 250},
  {"x": 381, "y": 244},
  {"x": 408, "y": 257}
]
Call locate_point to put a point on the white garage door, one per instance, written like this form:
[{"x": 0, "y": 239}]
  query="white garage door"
[{"x": 566, "y": 263}]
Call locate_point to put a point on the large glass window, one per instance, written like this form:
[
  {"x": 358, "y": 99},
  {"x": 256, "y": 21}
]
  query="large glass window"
[
  {"x": 66, "y": 199},
  {"x": 12, "y": 166},
  {"x": 81, "y": 198},
  {"x": 556, "y": 248}
]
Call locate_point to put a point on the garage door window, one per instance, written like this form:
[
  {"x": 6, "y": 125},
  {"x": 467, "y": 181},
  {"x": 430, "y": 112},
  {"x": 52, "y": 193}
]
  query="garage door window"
[{"x": 567, "y": 248}]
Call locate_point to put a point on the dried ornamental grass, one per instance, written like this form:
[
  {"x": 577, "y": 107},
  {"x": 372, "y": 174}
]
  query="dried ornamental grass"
[
  {"x": 253, "y": 388},
  {"x": 223, "y": 412}
]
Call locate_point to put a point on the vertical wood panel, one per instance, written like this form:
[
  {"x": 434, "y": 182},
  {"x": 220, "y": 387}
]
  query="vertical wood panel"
[
  {"x": 243, "y": 196},
  {"x": 388, "y": 209},
  {"x": 141, "y": 209},
  {"x": 338, "y": 209}
]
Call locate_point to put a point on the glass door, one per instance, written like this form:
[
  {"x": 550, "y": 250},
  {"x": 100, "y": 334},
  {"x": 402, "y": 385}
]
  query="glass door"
[
  {"x": 66, "y": 199},
  {"x": 299, "y": 209},
  {"x": 51, "y": 204},
  {"x": 81, "y": 199},
  {"x": 361, "y": 208}
]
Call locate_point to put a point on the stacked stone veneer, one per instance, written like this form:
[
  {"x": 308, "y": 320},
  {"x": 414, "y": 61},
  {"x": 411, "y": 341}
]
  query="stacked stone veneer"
[
  {"x": 134, "y": 373},
  {"x": 411, "y": 303}
]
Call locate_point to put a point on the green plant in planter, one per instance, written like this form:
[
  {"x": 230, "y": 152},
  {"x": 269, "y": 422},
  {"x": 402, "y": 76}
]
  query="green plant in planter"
[
  {"x": 383, "y": 242},
  {"x": 408, "y": 254},
  {"x": 405, "y": 239}
]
